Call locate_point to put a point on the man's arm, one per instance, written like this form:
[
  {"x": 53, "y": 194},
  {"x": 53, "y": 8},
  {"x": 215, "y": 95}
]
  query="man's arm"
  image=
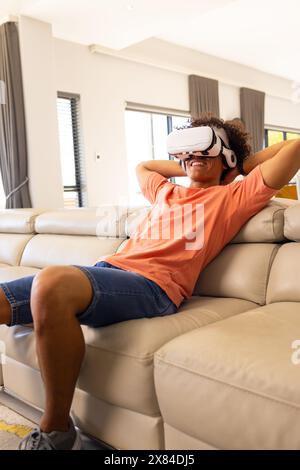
[
  {"x": 282, "y": 169},
  {"x": 166, "y": 168},
  {"x": 278, "y": 163},
  {"x": 259, "y": 157},
  {"x": 277, "y": 169}
]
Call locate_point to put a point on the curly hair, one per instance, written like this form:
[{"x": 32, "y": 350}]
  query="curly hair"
[{"x": 235, "y": 130}]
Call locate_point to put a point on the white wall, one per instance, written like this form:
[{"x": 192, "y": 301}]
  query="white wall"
[
  {"x": 188, "y": 61},
  {"x": 281, "y": 112},
  {"x": 44, "y": 171},
  {"x": 105, "y": 83}
]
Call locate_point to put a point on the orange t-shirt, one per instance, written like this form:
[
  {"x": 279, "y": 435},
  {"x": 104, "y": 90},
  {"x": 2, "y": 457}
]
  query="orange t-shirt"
[{"x": 188, "y": 227}]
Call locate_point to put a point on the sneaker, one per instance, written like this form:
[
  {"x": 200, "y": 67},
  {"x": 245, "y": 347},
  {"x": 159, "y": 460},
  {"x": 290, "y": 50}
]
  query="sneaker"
[{"x": 54, "y": 440}]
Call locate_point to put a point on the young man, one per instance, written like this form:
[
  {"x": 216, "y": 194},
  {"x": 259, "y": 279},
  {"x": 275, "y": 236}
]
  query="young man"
[{"x": 151, "y": 276}]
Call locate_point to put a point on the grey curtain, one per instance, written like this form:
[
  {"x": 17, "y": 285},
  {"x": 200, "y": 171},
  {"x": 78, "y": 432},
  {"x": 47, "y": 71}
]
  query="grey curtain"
[
  {"x": 203, "y": 95},
  {"x": 13, "y": 145},
  {"x": 253, "y": 115}
]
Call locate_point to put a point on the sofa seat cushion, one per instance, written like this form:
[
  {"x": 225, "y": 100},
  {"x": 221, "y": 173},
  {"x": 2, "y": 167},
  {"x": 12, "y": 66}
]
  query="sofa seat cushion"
[
  {"x": 233, "y": 384},
  {"x": 118, "y": 364},
  {"x": 9, "y": 273}
]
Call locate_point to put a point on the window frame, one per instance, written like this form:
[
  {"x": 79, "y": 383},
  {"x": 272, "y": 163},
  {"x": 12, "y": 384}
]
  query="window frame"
[
  {"x": 135, "y": 107},
  {"x": 284, "y": 131},
  {"x": 76, "y": 133},
  {"x": 168, "y": 125}
]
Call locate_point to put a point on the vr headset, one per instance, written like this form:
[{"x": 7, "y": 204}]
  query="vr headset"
[{"x": 206, "y": 140}]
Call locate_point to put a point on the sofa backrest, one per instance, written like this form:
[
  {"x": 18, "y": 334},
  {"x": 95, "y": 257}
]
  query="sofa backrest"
[
  {"x": 284, "y": 281},
  {"x": 16, "y": 230},
  {"x": 37, "y": 238},
  {"x": 75, "y": 236},
  {"x": 242, "y": 269}
]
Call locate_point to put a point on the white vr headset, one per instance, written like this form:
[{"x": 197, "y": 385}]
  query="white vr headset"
[{"x": 209, "y": 141}]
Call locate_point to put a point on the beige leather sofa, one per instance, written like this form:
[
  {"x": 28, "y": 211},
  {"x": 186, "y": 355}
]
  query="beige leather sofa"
[{"x": 218, "y": 374}]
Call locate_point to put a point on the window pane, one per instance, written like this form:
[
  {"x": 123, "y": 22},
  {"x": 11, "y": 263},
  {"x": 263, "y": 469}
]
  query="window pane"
[
  {"x": 292, "y": 135},
  {"x": 278, "y": 136},
  {"x": 71, "y": 151},
  {"x": 71, "y": 199},
  {"x": 179, "y": 121},
  {"x": 146, "y": 139},
  {"x": 274, "y": 137},
  {"x": 66, "y": 141},
  {"x": 160, "y": 133},
  {"x": 289, "y": 136},
  {"x": 138, "y": 147}
]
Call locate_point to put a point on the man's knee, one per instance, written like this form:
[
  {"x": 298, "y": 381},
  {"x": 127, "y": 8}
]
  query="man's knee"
[{"x": 57, "y": 288}]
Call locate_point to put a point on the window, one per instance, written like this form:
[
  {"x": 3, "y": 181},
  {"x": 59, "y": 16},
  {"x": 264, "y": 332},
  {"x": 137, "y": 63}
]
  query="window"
[
  {"x": 146, "y": 135},
  {"x": 70, "y": 149},
  {"x": 273, "y": 136}
]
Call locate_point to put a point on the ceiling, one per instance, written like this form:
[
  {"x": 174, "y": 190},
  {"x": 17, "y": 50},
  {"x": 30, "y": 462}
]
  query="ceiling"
[{"x": 263, "y": 34}]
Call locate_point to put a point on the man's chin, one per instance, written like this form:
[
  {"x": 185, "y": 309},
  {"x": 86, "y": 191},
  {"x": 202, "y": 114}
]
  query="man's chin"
[{"x": 200, "y": 175}]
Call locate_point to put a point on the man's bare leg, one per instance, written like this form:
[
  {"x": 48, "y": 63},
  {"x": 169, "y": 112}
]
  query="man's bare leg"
[
  {"x": 5, "y": 309},
  {"x": 59, "y": 293}
]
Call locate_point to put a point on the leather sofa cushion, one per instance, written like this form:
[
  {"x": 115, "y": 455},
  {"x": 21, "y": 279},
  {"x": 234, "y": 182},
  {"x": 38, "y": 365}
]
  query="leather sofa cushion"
[
  {"x": 118, "y": 364},
  {"x": 292, "y": 223},
  {"x": 123, "y": 244},
  {"x": 239, "y": 271},
  {"x": 12, "y": 246},
  {"x": 18, "y": 220},
  {"x": 135, "y": 216},
  {"x": 104, "y": 221},
  {"x": 10, "y": 273},
  {"x": 44, "y": 250},
  {"x": 232, "y": 384},
  {"x": 284, "y": 280},
  {"x": 265, "y": 227}
]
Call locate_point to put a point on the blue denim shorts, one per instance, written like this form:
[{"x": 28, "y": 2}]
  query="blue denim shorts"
[{"x": 118, "y": 295}]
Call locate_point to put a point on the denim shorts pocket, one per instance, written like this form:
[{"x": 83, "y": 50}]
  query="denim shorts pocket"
[{"x": 154, "y": 287}]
